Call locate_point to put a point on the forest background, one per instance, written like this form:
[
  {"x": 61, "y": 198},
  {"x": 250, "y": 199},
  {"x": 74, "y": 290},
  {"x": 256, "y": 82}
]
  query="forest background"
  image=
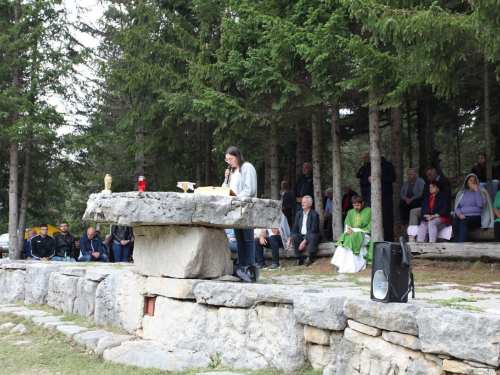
[{"x": 175, "y": 82}]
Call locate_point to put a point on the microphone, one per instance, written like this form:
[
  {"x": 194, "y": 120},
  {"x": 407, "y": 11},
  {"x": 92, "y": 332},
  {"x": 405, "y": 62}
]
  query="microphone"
[{"x": 227, "y": 177}]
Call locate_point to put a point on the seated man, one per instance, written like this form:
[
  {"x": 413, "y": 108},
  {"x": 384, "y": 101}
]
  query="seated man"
[
  {"x": 65, "y": 242},
  {"x": 272, "y": 239},
  {"x": 75, "y": 253},
  {"x": 305, "y": 232},
  {"x": 347, "y": 201},
  {"x": 43, "y": 246},
  {"x": 27, "y": 245},
  {"x": 412, "y": 193},
  {"x": 91, "y": 247},
  {"x": 351, "y": 254},
  {"x": 233, "y": 246}
]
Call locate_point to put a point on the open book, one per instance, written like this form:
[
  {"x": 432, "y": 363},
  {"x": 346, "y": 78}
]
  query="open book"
[
  {"x": 355, "y": 229},
  {"x": 214, "y": 190}
]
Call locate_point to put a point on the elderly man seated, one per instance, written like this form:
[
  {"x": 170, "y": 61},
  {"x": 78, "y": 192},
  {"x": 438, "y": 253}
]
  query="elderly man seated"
[
  {"x": 91, "y": 247},
  {"x": 352, "y": 254},
  {"x": 305, "y": 233}
]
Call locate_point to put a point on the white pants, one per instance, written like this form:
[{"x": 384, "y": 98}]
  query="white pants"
[{"x": 347, "y": 261}]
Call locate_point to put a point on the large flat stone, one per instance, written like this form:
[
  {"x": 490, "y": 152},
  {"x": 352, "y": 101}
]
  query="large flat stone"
[
  {"x": 119, "y": 302},
  {"x": 181, "y": 252},
  {"x": 373, "y": 355},
  {"x": 400, "y": 317},
  {"x": 167, "y": 208},
  {"x": 70, "y": 330},
  {"x": 33, "y": 313},
  {"x": 37, "y": 282},
  {"x": 403, "y": 339},
  {"x": 258, "y": 338},
  {"x": 242, "y": 294},
  {"x": 110, "y": 342},
  {"x": 320, "y": 310},
  {"x": 172, "y": 288},
  {"x": 12, "y": 284},
  {"x": 91, "y": 338},
  {"x": 39, "y": 320},
  {"x": 149, "y": 354},
  {"x": 464, "y": 335}
]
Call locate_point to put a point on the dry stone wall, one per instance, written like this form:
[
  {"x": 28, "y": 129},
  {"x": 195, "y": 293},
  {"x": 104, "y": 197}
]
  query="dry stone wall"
[{"x": 256, "y": 326}]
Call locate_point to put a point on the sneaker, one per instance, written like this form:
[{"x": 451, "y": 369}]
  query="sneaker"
[
  {"x": 243, "y": 275},
  {"x": 274, "y": 266},
  {"x": 262, "y": 267}
]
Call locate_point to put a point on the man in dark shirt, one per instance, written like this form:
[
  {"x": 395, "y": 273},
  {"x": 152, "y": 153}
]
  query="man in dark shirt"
[
  {"x": 43, "y": 246},
  {"x": 347, "y": 200},
  {"x": 304, "y": 185},
  {"x": 363, "y": 173},
  {"x": 64, "y": 243}
]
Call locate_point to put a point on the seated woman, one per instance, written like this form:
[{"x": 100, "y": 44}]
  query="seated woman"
[
  {"x": 472, "y": 209},
  {"x": 435, "y": 213},
  {"x": 352, "y": 254}
]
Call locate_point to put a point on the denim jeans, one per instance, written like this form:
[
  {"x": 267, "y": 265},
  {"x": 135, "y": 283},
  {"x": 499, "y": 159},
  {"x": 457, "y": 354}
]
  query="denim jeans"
[
  {"x": 121, "y": 252},
  {"x": 461, "y": 227},
  {"x": 90, "y": 258},
  {"x": 246, "y": 246}
]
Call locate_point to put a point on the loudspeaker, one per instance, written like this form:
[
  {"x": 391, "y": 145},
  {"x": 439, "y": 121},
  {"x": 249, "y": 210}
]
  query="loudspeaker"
[{"x": 391, "y": 282}]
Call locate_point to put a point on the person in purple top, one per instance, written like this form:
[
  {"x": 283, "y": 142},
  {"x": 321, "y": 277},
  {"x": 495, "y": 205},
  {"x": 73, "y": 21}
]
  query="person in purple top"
[{"x": 472, "y": 209}]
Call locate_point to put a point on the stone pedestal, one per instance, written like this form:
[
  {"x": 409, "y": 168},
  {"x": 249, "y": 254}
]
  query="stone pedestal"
[
  {"x": 180, "y": 235},
  {"x": 181, "y": 252}
]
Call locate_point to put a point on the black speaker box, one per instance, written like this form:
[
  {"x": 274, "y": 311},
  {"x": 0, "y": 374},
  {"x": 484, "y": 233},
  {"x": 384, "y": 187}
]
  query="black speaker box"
[{"x": 390, "y": 280}]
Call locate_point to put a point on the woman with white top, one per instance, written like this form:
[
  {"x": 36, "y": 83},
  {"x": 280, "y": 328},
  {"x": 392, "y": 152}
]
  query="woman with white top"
[{"x": 242, "y": 179}]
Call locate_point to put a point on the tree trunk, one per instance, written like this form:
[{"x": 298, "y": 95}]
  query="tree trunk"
[
  {"x": 267, "y": 163},
  {"x": 14, "y": 251},
  {"x": 199, "y": 152},
  {"x": 301, "y": 150},
  {"x": 208, "y": 156},
  {"x": 377, "y": 233},
  {"x": 24, "y": 196},
  {"x": 408, "y": 120},
  {"x": 139, "y": 156},
  {"x": 337, "y": 228},
  {"x": 397, "y": 156},
  {"x": 274, "y": 161},
  {"x": 316, "y": 162},
  {"x": 487, "y": 126}
]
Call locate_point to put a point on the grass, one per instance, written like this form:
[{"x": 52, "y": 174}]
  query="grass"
[
  {"x": 49, "y": 352},
  {"x": 456, "y": 303}
]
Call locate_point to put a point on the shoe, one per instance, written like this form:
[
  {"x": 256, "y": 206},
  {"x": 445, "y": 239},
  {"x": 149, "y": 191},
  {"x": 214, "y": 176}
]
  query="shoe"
[
  {"x": 274, "y": 266},
  {"x": 262, "y": 267},
  {"x": 298, "y": 262},
  {"x": 309, "y": 261},
  {"x": 243, "y": 275}
]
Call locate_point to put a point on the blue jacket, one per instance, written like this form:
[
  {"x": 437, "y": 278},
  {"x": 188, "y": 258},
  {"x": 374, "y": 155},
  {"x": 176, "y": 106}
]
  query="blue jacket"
[
  {"x": 442, "y": 205},
  {"x": 27, "y": 249},
  {"x": 89, "y": 246}
]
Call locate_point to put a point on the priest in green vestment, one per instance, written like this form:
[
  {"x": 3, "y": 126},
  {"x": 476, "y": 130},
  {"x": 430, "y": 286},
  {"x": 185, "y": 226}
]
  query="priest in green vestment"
[{"x": 355, "y": 247}]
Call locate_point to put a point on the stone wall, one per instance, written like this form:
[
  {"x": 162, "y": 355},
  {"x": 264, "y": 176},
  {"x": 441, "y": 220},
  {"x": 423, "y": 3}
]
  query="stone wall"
[{"x": 255, "y": 326}]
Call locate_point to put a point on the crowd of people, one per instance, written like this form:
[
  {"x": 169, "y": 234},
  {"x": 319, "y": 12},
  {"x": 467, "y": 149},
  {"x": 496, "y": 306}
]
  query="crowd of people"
[
  {"x": 90, "y": 247},
  {"x": 423, "y": 204}
]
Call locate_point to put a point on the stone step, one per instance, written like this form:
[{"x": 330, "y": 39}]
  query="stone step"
[{"x": 150, "y": 354}]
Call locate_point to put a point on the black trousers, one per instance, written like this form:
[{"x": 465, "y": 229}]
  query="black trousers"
[
  {"x": 311, "y": 247},
  {"x": 388, "y": 217},
  {"x": 496, "y": 229}
]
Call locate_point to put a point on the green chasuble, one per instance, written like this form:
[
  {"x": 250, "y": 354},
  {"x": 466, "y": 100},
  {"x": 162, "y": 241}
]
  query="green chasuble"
[{"x": 361, "y": 220}]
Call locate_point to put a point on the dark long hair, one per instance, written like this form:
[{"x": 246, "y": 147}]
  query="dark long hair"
[{"x": 235, "y": 151}]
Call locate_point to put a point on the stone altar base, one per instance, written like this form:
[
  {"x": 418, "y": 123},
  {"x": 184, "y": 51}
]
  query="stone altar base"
[{"x": 181, "y": 252}]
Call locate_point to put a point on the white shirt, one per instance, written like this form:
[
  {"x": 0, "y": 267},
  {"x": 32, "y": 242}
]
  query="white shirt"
[{"x": 303, "y": 230}]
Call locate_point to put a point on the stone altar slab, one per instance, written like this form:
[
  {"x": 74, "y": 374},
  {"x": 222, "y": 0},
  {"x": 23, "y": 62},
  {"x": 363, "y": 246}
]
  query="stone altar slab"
[{"x": 167, "y": 208}]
